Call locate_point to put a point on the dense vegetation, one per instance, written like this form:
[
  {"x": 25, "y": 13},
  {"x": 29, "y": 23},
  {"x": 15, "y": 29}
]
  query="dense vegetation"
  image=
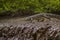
[{"x": 33, "y": 5}]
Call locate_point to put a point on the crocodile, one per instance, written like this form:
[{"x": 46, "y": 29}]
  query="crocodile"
[{"x": 31, "y": 31}]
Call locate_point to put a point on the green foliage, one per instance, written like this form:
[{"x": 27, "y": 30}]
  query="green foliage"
[{"x": 34, "y": 5}]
